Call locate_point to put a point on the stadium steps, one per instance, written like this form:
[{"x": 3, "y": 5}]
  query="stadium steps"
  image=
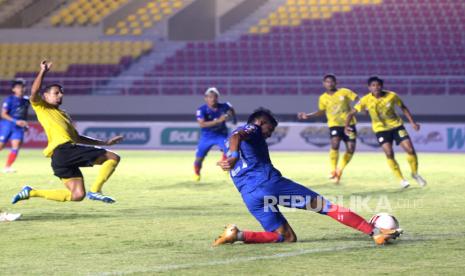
[
  {"x": 243, "y": 27},
  {"x": 10, "y": 8},
  {"x": 141, "y": 67}
]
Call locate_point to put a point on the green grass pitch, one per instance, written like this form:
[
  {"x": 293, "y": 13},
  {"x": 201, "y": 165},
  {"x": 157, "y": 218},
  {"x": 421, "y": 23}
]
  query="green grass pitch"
[{"x": 165, "y": 223}]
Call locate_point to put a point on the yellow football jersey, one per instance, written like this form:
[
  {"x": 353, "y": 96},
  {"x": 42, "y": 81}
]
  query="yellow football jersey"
[
  {"x": 382, "y": 111},
  {"x": 57, "y": 125},
  {"x": 337, "y": 106}
]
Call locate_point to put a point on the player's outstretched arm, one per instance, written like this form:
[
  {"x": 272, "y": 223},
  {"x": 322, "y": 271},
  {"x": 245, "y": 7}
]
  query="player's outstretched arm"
[
  {"x": 347, "y": 129},
  {"x": 96, "y": 142},
  {"x": 409, "y": 117},
  {"x": 37, "y": 84},
  {"x": 306, "y": 116}
]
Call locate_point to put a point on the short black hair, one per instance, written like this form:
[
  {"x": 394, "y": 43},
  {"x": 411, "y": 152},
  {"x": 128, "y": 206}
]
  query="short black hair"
[
  {"x": 15, "y": 82},
  {"x": 50, "y": 86},
  {"x": 262, "y": 112},
  {"x": 330, "y": 76},
  {"x": 375, "y": 79}
]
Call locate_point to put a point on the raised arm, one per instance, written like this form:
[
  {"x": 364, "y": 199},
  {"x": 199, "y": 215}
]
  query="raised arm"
[
  {"x": 409, "y": 117},
  {"x": 37, "y": 84},
  {"x": 306, "y": 116},
  {"x": 96, "y": 142}
]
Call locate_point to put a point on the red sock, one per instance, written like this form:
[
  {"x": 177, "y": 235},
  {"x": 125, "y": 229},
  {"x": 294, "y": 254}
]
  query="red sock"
[
  {"x": 349, "y": 218},
  {"x": 197, "y": 167},
  {"x": 261, "y": 237},
  {"x": 11, "y": 158}
]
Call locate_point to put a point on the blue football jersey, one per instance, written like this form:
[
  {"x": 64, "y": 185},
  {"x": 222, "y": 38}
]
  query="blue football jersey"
[
  {"x": 16, "y": 107},
  {"x": 207, "y": 114},
  {"x": 254, "y": 168}
]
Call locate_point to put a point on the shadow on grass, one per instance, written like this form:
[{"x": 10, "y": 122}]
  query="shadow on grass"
[
  {"x": 188, "y": 185},
  {"x": 61, "y": 216}
]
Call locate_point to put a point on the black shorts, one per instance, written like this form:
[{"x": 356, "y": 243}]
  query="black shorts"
[
  {"x": 67, "y": 159},
  {"x": 397, "y": 134},
  {"x": 339, "y": 132}
]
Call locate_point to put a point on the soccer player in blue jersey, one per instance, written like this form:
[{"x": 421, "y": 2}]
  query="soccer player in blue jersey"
[
  {"x": 263, "y": 188},
  {"x": 13, "y": 123},
  {"x": 212, "y": 118}
]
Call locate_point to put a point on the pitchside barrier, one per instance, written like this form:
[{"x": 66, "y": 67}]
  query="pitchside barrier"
[{"x": 435, "y": 137}]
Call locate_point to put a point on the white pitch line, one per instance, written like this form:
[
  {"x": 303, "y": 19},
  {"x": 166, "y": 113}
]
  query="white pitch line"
[
  {"x": 170, "y": 267},
  {"x": 164, "y": 268}
]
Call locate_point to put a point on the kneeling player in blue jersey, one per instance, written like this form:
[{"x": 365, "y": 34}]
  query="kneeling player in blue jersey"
[
  {"x": 13, "y": 123},
  {"x": 212, "y": 118},
  {"x": 263, "y": 188}
]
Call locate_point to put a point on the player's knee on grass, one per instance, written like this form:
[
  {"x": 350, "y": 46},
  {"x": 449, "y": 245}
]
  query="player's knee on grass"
[{"x": 76, "y": 187}]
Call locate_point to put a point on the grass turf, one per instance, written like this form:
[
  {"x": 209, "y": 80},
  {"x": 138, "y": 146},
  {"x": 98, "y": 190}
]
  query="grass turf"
[{"x": 164, "y": 222}]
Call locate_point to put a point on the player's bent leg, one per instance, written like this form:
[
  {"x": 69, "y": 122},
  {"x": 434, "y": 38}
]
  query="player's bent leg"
[
  {"x": 197, "y": 168},
  {"x": 392, "y": 163},
  {"x": 15, "y": 146},
  {"x": 412, "y": 159},
  {"x": 75, "y": 192},
  {"x": 350, "y": 150},
  {"x": 334, "y": 156},
  {"x": 109, "y": 161},
  {"x": 203, "y": 148}
]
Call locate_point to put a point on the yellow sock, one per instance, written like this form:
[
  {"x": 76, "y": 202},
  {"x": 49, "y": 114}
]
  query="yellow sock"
[
  {"x": 395, "y": 168},
  {"x": 413, "y": 162},
  {"x": 57, "y": 195},
  {"x": 346, "y": 159},
  {"x": 107, "y": 169},
  {"x": 333, "y": 158}
]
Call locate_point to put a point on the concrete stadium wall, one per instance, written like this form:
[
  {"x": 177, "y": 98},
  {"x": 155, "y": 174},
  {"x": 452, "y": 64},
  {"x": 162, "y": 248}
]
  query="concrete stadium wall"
[
  {"x": 32, "y": 14},
  {"x": 183, "y": 107},
  {"x": 197, "y": 21}
]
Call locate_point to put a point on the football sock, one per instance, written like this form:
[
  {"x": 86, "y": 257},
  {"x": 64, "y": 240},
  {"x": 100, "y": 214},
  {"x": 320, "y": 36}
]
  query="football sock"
[
  {"x": 197, "y": 167},
  {"x": 107, "y": 169},
  {"x": 333, "y": 158},
  {"x": 346, "y": 159},
  {"x": 412, "y": 159},
  {"x": 395, "y": 168},
  {"x": 349, "y": 218},
  {"x": 11, "y": 157},
  {"x": 259, "y": 237},
  {"x": 56, "y": 195}
]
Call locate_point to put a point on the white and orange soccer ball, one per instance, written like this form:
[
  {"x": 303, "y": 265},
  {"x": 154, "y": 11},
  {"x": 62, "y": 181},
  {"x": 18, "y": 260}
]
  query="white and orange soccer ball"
[{"x": 384, "y": 221}]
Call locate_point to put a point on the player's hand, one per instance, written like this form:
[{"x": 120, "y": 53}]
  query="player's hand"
[
  {"x": 114, "y": 140},
  {"x": 45, "y": 66},
  {"x": 416, "y": 126},
  {"x": 348, "y": 130},
  {"x": 223, "y": 118},
  {"x": 227, "y": 164},
  {"x": 21, "y": 123},
  {"x": 302, "y": 116}
]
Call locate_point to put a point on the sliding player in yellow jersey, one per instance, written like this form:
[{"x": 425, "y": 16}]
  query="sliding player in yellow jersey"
[
  {"x": 67, "y": 148},
  {"x": 335, "y": 103},
  {"x": 388, "y": 126}
]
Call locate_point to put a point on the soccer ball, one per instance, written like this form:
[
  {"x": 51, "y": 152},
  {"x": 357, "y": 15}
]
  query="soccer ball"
[{"x": 384, "y": 221}]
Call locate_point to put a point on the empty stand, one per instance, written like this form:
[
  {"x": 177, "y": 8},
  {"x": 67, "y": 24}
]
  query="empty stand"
[
  {"x": 85, "y": 12},
  {"x": 145, "y": 17}
]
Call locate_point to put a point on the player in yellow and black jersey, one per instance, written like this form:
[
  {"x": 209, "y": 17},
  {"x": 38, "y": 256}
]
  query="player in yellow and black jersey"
[
  {"x": 335, "y": 103},
  {"x": 388, "y": 126}
]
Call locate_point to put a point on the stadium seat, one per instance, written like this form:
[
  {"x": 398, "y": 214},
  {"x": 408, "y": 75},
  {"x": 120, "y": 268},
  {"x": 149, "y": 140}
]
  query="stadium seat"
[
  {"x": 145, "y": 17},
  {"x": 85, "y": 12}
]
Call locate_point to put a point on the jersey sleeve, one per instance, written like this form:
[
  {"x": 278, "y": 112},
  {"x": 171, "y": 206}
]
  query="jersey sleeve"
[
  {"x": 200, "y": 114},
  {"x": 398, "y": 101},
  {"x": 321, "y": 104},
  {"x": 248, "y": 132},
  {"x": 351, "y": 95},
  {"x": 40, "y": 103},
  {"x": 360, "y": 106},
  {"x": 6, "y": 105}
]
